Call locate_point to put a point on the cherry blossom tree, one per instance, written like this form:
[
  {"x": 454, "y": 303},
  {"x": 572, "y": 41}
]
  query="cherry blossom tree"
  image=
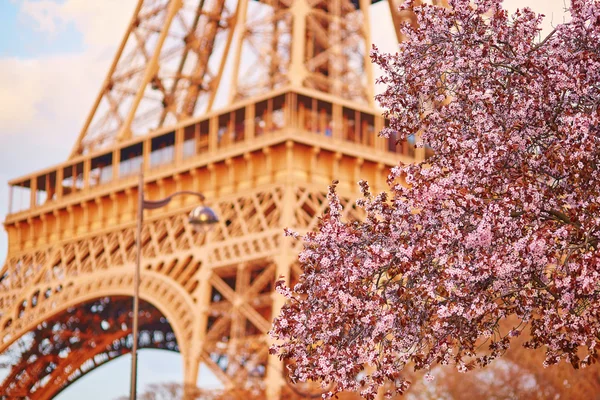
[{"x": 503, "y": 221}]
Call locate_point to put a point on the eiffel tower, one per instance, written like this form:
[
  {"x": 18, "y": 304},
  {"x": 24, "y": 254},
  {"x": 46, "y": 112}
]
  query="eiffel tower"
[{"x": 298, "y": 85}]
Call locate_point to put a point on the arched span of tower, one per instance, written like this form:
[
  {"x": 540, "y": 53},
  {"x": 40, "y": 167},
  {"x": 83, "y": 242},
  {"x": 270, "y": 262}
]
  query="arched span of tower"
[
  {"x": 61, "y": 350},
  {"x": 44, "y": 302}
]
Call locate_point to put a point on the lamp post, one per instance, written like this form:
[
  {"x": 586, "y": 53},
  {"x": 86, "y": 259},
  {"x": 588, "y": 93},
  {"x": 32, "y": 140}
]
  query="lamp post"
[{"x": 200, "y": 218}]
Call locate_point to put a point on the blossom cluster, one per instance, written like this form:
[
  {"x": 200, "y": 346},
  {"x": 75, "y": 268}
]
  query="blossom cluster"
[{"x": 502, "y": 221}]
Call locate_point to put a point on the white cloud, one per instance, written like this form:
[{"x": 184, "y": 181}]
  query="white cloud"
[
  {"x": 98, "y": 21},
  {"x": 50, "y": 93},
  {"x": 45, "y": 14},
  {"x": 16, "y": 92}
]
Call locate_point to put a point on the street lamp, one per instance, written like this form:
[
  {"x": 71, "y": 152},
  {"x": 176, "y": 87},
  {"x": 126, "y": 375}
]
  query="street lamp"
[{"x": 202, "y": 218}]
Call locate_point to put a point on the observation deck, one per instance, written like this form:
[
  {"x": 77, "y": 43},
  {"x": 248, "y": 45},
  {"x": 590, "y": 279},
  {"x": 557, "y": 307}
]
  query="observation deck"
[{"x": 92, "y": 192}]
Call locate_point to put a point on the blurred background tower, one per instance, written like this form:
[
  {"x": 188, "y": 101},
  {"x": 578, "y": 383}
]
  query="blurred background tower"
[{"x": 296, "y": 87}]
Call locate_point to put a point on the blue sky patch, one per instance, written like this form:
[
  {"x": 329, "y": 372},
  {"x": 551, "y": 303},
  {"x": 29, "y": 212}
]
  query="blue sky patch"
[{"x": 19, "y": 36}]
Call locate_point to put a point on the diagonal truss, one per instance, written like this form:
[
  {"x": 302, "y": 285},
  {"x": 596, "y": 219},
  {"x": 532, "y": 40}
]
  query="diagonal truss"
[
  {"x": 317, "y": 44},
  {"x": 165, "y": 68}
]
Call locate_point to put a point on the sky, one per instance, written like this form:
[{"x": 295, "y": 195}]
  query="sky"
[{"x": 54, "y": 55}]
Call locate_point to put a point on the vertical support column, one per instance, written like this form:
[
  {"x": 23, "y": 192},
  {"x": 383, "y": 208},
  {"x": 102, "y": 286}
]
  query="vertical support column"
[
  {"x": 87, "y": 166},
  {"x": 298, "y": 72},
  {"x": 57, "y": 224},
  {"x": 74, "y": 187},
  {"x": 71, "y": 218},
  {"x": 213, "y": 131},
  {"x": 128, "y": 214},
  {"x": 193, "y": 357},
  {"x": 285, "y": 258},
  {"x": 191, "y": 367},
  {"x": 213, "y": 179},
  {"x": 50, "y": 190},
  {"x": 269, "y": 116},
  {"x": 99, "y": 220},
  {"x": 20, "y": 243},
  {"x": 231, "y": 181},
  {"x": 33, "y": 194},
  {"x": 44, "y": 237},
  {"x": 314, "y": 162},
  {"x": 31, "y": 234},
  {"x": 301, "y": 116},
  {"x": 250, "y": 114},
  {"x": 366, "y": 33},
  {"x": 231, "y": 128},
  {"x": 335, "y": 171},
  {"x": 336, "y": 116},
  {"x": 114, "y": 211},
  {"x": 59, "y": 181},
  {"x": 85, "y": 218},
  {"x": 249, "y": 179},
  {"x": 269, "y": 163},
  {"x": 178, "y": 187},
  {"x": 116, "y": 161},
  {"x": 178, "y": 145},
  {"x": 288, "y": 110},
  {"x": 146, "y": 150},
  {"x": 160, "y": 184}
]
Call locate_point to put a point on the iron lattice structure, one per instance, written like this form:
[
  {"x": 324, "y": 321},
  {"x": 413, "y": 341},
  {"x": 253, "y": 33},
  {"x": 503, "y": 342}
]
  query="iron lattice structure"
[{"x": 298, "y": 114}]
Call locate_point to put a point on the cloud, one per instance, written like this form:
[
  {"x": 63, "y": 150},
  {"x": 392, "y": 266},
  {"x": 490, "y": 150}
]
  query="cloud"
[
  {"x": 46, "y": 99},
  {"x": 44, "y": 13},
  {"x": 16, "y": 91},
  {"x": 96, "y": 20},
  {"x": 43, "y": 96}
]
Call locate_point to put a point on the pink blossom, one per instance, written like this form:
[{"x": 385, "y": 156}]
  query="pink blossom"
[{"x": 502, "y": 221}]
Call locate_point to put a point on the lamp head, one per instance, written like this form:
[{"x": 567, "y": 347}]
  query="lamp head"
[{"x": 202, "y": 218}]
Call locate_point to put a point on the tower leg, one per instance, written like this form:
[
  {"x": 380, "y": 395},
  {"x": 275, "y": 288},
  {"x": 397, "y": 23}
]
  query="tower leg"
[
  {"x": 191, "y": 366},
  {"x": 275, "y": 379}
]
